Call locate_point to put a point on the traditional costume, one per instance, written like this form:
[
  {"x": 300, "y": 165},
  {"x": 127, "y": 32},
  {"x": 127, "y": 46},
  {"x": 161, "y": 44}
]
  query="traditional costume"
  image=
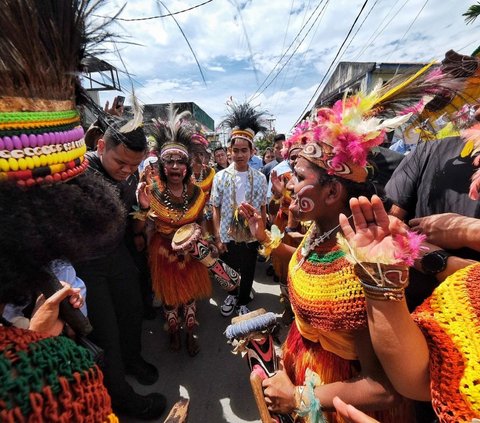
[
  {"x": 231, "y": 188},
  {"x": 47, "y": 209},
  {"x": 326, "y": 297},
  {"x": 177, "y": 280}
]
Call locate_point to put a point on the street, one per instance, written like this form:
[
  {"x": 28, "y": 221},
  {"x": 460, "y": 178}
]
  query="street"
[{"x": 216, "y": 381}]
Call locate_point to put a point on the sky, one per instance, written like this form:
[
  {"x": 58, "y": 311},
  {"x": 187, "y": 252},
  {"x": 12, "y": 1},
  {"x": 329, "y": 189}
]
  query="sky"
[{"x": 274, "y": 53}]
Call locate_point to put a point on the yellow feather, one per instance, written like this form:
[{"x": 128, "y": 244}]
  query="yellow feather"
[{"x": 401, "y": 86}]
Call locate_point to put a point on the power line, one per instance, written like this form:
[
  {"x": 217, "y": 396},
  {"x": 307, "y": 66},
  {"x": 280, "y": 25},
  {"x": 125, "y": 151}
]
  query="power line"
[
  {"x": 370, "y": 41},
  {"x": 286, "y": 51},
  {"x": 333, "y": 61},
  {"x": 410, "y": 26},
  {"x": 302, "y": 58},
  {"x": 158, "y": 16},
  {"x": 258, "y": 92},
  {"x": 186, "y": 39}
]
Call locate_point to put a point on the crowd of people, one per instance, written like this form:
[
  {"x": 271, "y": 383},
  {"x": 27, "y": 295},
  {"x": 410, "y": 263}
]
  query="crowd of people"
[{"x": 376, "y": 253}]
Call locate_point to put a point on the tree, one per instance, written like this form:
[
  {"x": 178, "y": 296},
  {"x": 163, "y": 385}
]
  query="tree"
[
  {"x": 472, "y": 13},
  {"x": 264, "y": 141}
]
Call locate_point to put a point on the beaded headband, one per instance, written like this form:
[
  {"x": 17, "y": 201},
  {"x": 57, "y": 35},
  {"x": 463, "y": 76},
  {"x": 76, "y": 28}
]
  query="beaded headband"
[
  {"x": 173, "y": 148},
  {"x": 245, "y": 134}
]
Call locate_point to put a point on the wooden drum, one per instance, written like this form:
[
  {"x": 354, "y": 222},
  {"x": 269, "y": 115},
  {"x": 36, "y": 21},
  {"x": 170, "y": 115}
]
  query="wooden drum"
[{"x": 188, "y": 240}]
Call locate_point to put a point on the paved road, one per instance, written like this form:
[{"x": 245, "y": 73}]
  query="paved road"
[{"x": 216, "y": 381}]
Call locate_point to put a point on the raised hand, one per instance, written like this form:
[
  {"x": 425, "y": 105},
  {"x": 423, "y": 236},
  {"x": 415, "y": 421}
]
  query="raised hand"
[
  {"x": 143, "y": 193},
  {"x": 116, "y": 109},
  {"x": 254, "y": 219},
  {"x": 278, "y": 184},
  {"x": 374, "y": 229}
]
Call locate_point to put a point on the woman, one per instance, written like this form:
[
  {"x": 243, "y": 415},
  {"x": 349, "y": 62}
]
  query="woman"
[
  {"x": 441, "y": 339},
  {"x": 268, "y": 156},
  {"x": 172, "y": 200},
  {"x": 328, "y": 351}
]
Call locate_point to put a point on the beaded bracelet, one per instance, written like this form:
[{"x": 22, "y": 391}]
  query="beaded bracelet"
[
  {"x": 382, "y": 281},
  {"x": 382, "y": 293}
]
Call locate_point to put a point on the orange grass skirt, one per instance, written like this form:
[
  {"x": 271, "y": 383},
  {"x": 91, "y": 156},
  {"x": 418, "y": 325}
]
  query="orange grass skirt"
[
  {"x": 299, "y": 354},
  {"x": 176, "y": 279}
]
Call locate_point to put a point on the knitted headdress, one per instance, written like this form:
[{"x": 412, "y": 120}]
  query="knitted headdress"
[
  {"x": 244, "y": 120},
  {"x": 339, "y": 138},
  {"x": 42, "y": 44},
  {"x": 46, "y": 213},
  {"x": 173, "y": 134}
]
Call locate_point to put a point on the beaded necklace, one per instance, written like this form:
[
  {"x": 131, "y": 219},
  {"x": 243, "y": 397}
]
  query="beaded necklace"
[
  {"x": 313, "y": 240},
  {"x": 201, "y": 176},
  {"x": 172, "y": 208}
]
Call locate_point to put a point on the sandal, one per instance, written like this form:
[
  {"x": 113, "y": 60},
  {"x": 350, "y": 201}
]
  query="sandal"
[{"x": 192, "y": 344}]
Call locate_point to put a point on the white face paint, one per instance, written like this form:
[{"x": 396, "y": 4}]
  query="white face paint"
[{"x": 306, "y": 204}]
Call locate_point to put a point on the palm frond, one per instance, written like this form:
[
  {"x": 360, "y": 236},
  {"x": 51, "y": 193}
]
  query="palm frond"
[{"x": 472, "y": 13}]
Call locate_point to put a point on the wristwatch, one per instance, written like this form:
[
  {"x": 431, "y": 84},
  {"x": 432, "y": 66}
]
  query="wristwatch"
[{"x": 434, "y": 262}]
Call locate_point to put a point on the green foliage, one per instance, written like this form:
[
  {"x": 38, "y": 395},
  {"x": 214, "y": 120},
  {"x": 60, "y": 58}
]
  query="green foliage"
[
  {"x": 264, "y": 142},
  {"x": 472, "y": 13}
]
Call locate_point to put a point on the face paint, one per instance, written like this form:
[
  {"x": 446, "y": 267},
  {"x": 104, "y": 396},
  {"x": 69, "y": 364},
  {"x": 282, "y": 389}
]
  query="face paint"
[{"x": 304, "y": 201}]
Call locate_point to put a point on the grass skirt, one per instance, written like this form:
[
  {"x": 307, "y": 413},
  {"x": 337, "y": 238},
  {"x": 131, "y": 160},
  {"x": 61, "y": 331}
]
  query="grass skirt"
[
  {"x": 176, "y": 279},
  {"x": 299, "y": 354}
]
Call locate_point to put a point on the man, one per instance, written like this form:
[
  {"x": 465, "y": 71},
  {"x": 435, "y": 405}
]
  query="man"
[
  {"x": 220, "y": 156},
  {"x": 427, "y": 188},
  {"x": 255, "y": 161},
  {"x": 114, "y": 300},
  {"x": 231, "y": 187},
  {"x": 277, "y": 151}
]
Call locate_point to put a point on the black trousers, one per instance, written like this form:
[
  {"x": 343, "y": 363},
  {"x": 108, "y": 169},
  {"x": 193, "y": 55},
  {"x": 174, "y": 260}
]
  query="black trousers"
[
  {"x": 242, "y": 257},
  {"x": 115, "y": 310}
]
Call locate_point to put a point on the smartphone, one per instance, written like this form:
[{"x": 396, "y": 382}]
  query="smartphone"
[{"x": 120, "y": 101}]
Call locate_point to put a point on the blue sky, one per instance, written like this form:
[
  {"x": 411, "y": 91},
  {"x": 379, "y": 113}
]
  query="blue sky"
[{"x": 238, "y": 50}]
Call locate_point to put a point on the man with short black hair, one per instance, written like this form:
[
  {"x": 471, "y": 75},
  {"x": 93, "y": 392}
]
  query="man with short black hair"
[
  {"x": 277, "y": 150},
  {"x": 220, "y": 157},
  {"x": 233, "y": 186},
  {"x": 113, "y": 292}
]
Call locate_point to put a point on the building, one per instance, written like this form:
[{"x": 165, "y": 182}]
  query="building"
[
  {"x": 201, "y": 117},
  {"x": 360, "y": 76}
]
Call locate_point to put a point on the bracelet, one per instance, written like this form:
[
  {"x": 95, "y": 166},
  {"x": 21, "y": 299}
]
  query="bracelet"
[
  {"x": 272, "y": 241},
  {"x": 139, "y": 214},
  {"x": 288, "y": 230},
  {"x": 382, "y": 293},
  {"x": 382, "y": 281},
  {"x": 306, "y": 403},
  {"x": 276, "y": 200}
]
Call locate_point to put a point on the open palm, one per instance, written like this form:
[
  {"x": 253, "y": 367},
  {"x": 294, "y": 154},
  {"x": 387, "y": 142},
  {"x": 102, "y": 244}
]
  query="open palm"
[{"x": 373, "y": 230}]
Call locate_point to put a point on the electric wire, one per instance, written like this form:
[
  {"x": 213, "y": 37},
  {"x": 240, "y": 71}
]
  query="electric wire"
[
  {"x": 158, "y": 16},
  {"x": 257, "y": 93},
  {"x": 333, "y": 61},
  {"x": 286, "y": 51},
  {"x": 409, "y": 27}
]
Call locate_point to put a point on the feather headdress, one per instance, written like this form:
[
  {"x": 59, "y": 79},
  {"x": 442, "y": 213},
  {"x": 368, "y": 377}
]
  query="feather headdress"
[
  {"x": 173, "y": 133},
  {"x": 42, "y": 44},
  {"x": 341, "y": 137},
  {"x": 244, "y": 120}
]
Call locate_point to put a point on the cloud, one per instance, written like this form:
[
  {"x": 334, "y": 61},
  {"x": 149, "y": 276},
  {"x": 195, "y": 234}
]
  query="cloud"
[{"x": 230, "y": 44}]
